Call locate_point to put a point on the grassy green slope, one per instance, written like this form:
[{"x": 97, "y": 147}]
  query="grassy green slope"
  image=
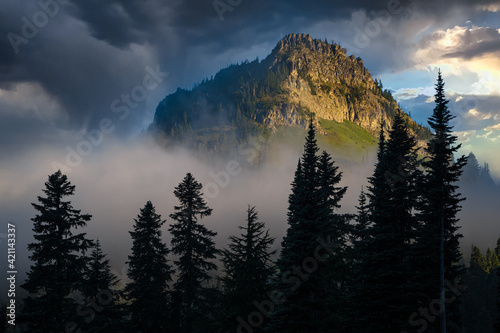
[{"x": 346, "y": 138}]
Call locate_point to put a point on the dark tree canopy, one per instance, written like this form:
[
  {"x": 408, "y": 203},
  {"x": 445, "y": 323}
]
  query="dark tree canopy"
[
  {"x": 438, "y": 206},
  {"x": 309, "y": 292},
  {"x": 149, "y": 273},
  {"x": 381, "y": 291},
  {"x": 58, "y": 258},
  {"x": 247, "y": 267},
  {"x": 193, "y": 243},
  {"x": 100, "y": 311}
]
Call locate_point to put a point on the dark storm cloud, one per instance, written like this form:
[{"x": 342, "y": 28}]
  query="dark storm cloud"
[
  {"x": 91, "y": 53},
  {"x": 82, "y": 74},
  {"x": 468, "y": 43},
  {"x": 84, "y": 55},
  {"x": 477, "y": 50},
  {"x": 133, "y": 21},
  {"x": 119, "y": 22}
]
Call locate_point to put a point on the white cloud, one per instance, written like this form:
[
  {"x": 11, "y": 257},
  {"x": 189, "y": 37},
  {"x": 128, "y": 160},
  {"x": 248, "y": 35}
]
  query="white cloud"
[
  {"x": 465, "y": 136},
  {"x": 478, "y": 114},
  {"x": 470, "y": 54},
  {"x": 491, "y": 8},
  {"x": 485, "y": 135},
  {"x": 410, "y": 93},
  {"x": 30, "y": 100},
  {"x": 493, "y": 128}
]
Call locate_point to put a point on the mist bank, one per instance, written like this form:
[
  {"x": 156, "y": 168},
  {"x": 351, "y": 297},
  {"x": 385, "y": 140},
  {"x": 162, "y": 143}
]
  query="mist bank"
[{"x": 115, "y": 181}]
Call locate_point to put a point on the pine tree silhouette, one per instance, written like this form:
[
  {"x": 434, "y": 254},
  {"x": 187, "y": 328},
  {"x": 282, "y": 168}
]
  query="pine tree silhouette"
[{"x": 58, "y": 259}]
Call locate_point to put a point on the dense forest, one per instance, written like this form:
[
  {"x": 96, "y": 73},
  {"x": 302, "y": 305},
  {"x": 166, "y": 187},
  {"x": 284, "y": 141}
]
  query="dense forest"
[{"x": 394, "y": 266}]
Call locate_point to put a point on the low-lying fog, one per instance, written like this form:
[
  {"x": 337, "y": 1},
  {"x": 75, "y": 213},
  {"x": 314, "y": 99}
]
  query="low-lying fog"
[{"x": 114, "y": 182}]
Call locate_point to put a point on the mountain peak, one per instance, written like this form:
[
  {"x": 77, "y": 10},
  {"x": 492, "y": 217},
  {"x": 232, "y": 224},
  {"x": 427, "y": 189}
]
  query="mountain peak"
[
  {"x": 325, "y": 61},
  {"x": 294, "y": 40},
  {"x": 300, "y": 76}
]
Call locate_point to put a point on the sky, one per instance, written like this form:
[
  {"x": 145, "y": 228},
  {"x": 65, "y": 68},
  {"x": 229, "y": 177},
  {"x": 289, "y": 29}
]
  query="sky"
[
  {"x": 67, "y": 65},
  {"x": 80, "y": 80}
]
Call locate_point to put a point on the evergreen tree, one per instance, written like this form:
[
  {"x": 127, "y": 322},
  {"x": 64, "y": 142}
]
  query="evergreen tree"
[
  {"x": 359, "y": 239},
  {"x": 311, "y": 219},
  {"x": 437, "y": 236},
  {"x": 297, "y": 314},
  {"x": 247, "y": 267},
  {"x": 58, "y": 254},
  {"x": 362, "y": 219},
  {"x": 471, "y": 171},
  {"x": 336, "y": 229},
  {"x": 497, "y": 248},
  {"x": 362, "y": 239},
  {"x": 383, "y": 288},
  {"x": 100, "y": 310},
  {"x": 491, "y": 260},
  {"x": 149, "y": 273},
  {"x": 478, "y": 299},
  {"x": 194, "y": 245},
  {"x": 329, "y": 196},
  {"x": 478, "y": 262},
  {"x": 485, "y": 176},
  {"x": 496, "y": 326},
  {"x": 495, "y": 262}
]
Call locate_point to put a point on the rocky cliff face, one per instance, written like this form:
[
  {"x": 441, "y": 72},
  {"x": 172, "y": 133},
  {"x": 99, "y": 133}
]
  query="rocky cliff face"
[
  {"x": 331, "y": 84},
  {"x": 301, "y": 76}
]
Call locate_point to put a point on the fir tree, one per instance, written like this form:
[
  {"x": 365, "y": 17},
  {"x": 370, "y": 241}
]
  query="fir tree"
[
  {"x": 382, "y": 290},
  {"x": 297, "y": 314},
  {"x": 478, "y": 299},
  {"x": 362, "y": 220},
  {"x": 361, "y": 276},
  {"x": 247, "y": 271},
  {"x": 149, "y": 273},
  {"x": 485, "y": 176},
  {"x": 100, "y": 310},
  {"x": 359, "y": 238},
  {"x": 311, "y": 218},
  {"x": 194, "y": 245},
  {"x": 478, "y": 262},
  {"x": 59, "y": 259},
  {"x": 471, "y": 171},
  {"x": 330, "y": 195},
  {"x": 496, "y": 326},
  {"x": 336, "y": 229},
  {"x": 497, "y": 248},
  {"x": 437, "y": 235},
  {"x": 491, "y": 260}
]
